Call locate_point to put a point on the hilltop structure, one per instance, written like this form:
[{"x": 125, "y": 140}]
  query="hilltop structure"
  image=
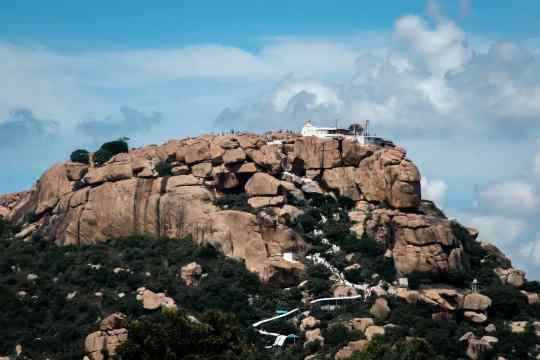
[{"x": 355, "y": 132}]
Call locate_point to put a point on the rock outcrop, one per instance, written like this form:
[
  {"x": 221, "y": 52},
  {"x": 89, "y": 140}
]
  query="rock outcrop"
[
  {"x": 418, "y": 242},
  {"x": 80, "y": 204},
  {"x": 103, "y": 343},
  {"x": 191, "y": 274}
]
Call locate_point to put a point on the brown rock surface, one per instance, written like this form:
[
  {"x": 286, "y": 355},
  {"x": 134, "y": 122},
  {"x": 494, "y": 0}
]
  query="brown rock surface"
[
  {"x": 262, "y": 184},
  {"x": 315, "y": 153},
  {"x": 262, "y": 201},
  {"x": 309, "y": 322},
  {"x": 426, "y": 244},
  {"x": 196, "y": 151},
  {"x": 361, "y": 324},
  {"x": 352, "y": 347},
  {"x": 104, "y": 342},
  {"x": 191, "y": 274},
  {"x": 380, "y": 309},
  {"x": 125, "y": 196},
  {"x": 511, "y": 276},
  {"x": 343, "y": 180},
  {"x": 314, "y": 335},
  {"x": 234, "y": 156},
  {"x": 476, "y": 302}
]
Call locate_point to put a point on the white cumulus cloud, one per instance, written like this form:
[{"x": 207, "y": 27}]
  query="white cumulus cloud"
[
  {"x": 443, "y": 48},
  {"x": 501, "y": 230},
  {"x": 512, "y": 197},
  {"x": 434, "y": 190}
]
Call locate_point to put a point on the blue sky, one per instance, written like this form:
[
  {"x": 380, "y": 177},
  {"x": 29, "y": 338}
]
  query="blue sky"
[
  {"x": 72, "y": 25},
  {"x": 457, "y": 83}
]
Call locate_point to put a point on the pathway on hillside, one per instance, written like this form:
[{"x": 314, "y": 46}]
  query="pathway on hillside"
[{"x": 317, "y": 259}]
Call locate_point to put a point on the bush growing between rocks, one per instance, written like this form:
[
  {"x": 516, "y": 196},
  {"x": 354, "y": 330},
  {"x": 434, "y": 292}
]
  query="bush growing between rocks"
[
  {"x": 102, "y": 156},
  {"x": 110, "y": 149},
  {"x": 339, "y": 335},
  {"x": 80, "y": 156},
  {"x": 234, "y": 202},
  {"x": 116, "y": 147},
  {"x": 318, "y": 280},
  {"x": 164, "y": 168},
  {"x": 312, "y": 347}
]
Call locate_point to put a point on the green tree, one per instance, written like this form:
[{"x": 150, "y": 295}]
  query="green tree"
[
  {"x": 174, "y": 335},
  {"x": 80, "y": 156}
]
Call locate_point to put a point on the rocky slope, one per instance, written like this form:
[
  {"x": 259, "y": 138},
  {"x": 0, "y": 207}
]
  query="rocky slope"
[
  {"x": 75, "y": 203},
  {"x": 259, "y": 197}
]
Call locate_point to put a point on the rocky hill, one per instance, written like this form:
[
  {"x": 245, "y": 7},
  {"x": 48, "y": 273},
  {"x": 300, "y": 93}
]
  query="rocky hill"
[{"x": 278, "y": 201}]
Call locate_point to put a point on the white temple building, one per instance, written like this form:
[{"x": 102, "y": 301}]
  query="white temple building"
[{"x": 357, "y": 132}]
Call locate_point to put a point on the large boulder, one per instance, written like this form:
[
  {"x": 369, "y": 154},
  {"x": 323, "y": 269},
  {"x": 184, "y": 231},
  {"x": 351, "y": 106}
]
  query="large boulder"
[
  {"x": 196, "y": 151},
  {"x": 511, "y": 276},
  {"x": 388, "y": 176},
  {"x": 262, "y": 184},
  {"x": 268, "y": 157},
  {"x": 476, "y": 302},
  {"x": 152, "y": 301},
  {"x": 52, "y": 185},
  {"x": 343, "y": 181},
  {"x": 380, "y": 309},
  {"x": 234, "y": 156},
  {"x": 104, "y": 343},
  {"x": 426, "y": 244},
  {"x": 316, "y": 153}
]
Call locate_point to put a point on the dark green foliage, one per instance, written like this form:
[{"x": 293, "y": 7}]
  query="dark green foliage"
[
  {"x": 80, "y": 156},
  {"x": 516, "y": 345},
  {"x": 234, "y": 202},
  {"x": 369, "y": 246},
  {"x": 306, "y": 223},
  {"x": 312, "y": 347},
  {"x": 79, "y": 184},
  {"x": 339, "y": 335},
  {"x": 386, "y": 269},
  {"x": 532, "y": 286},
  {"x": 116, "y": 147},
  {"x": 318, "y": 280},
  {"x": 102, "y": 156},
  {"x": 171, "y": 335},
  {"x": 31, "y": 217},
  {"x": 164, "y": 168},
  {"x": 506, "y": 301},
  {"x": 108, "y": 150},
  {"x": 62, "y": 324},
  {"x": 413, "y": 349},
  {"x": 418, "y": 278}
]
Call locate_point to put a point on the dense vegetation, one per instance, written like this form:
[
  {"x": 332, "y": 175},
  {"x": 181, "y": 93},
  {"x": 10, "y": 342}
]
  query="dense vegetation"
[
  {"x": 39, "y": 314},
  {"x": 172, "y": 335}
]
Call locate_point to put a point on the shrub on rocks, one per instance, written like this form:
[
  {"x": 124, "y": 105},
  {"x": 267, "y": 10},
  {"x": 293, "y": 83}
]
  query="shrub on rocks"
[
  {"x": 102, "y": 156},
  {"x": 164, "y": 168},
  {"x": 80, "y": 156},
  {"x": 233, "y": 202},
  {"x": 108, "y": 150}
]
